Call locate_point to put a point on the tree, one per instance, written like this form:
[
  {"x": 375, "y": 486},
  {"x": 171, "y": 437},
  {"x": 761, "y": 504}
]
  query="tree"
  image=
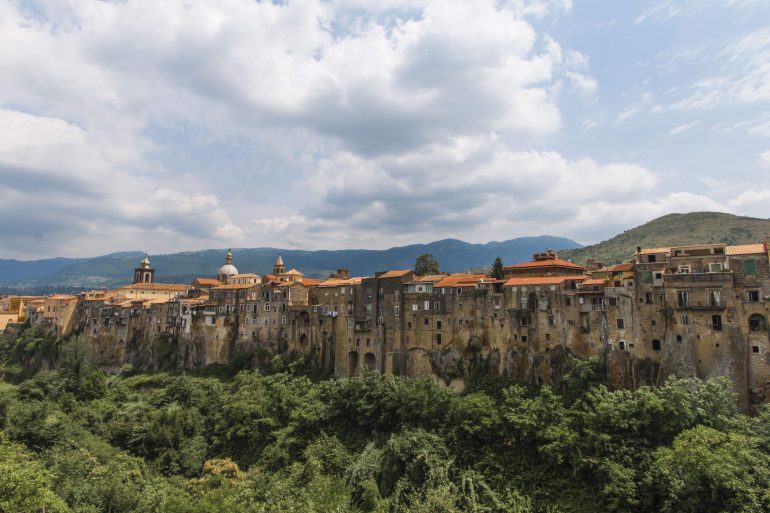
[
  {"x": 426, "y": 264},
  {"x": 497, "y": 268}
]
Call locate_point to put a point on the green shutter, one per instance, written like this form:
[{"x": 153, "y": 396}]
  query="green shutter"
[
  {"x": 647, "y": 277},
  {"x": 750, "y": 266}
]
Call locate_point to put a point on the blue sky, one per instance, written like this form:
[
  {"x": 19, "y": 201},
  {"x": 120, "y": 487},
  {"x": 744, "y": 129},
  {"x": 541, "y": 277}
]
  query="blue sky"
[{"x": 181, "y": 125}]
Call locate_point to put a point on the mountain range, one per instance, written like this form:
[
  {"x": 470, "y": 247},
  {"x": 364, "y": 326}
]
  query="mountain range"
[
  {"x": 71, "y": 274},
  {"x": 454, "y": 255}
]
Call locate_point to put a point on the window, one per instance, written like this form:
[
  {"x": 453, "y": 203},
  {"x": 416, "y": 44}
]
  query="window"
[
  {"x": 757, "y": 323},
  {"x": 652, "y": 258},
  {"x": 622, "y": 345},
  {"x": 656, "y": 345},
  {"x": 715, "y": 297},
  {"x": 684, "y": 320},
  {"x": 550, "y": 321},
  {"x": 438, "y": 325},
  {"x": 750, "y": 266},
  {"x": 426, "y": 322},
  {"x": 653, "y": 322},
  {"x": 715, "y": 267},
  {"x": 752, "y": 295},
  {"x": 523, "y": 321},
  {"x": 426, "y": 305},
  {"x": 612, "y": 301},
  {"x": 648, "y": 298},
  {"x": 684, "y": 269},
  {"x": 283, "y": 319},
  {"x": 438, "y": 338},
  {"x": 396, "y": 310},
  {"x": 547, "y": 337},
  {"x": 523, "y": 338},
  {"x": 682, "y": 298},
  {"x": 524, "y": 301},
  {"x": 646, "y": 277},
  {"x": 437, "y": 306},
  {"x": 567, "y": 301},
  {"x": 267, "y": 307},
  {"x": 621, "y": 324},
  {"x": 415, "y": 307},
  {"x": 716, "y": 322},
  {"x": 755, "y": 349},
  {"x": 679, "y": 338}
]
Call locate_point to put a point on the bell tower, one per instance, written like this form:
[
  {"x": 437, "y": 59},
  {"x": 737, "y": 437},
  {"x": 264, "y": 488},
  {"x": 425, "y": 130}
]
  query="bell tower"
[
  {"x": 144, "y": 273},
  {"x": 278, "y": 267}
]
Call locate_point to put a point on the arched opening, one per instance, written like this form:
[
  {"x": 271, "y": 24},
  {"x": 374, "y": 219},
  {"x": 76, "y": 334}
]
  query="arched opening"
[
  {"x": 352, "y": 363},
  {"x": 303, "y": 339},
  {"x": 146, "y": 277},
  {"x": 370, "y": 362},
  {"x": 757, "y": 323}
]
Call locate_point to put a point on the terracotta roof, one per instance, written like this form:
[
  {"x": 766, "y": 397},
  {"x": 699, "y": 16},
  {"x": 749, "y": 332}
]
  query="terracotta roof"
[
  {"x": 540, "y": 280},
  {"x": 290, "y": 283},
  {"x": 244, "y": 275},
  {"x": 395, "y": 274},
  {"x": 628, "y": 266},
  {"x": 428, "y": 278},
  {"x": 556, "y": 262},
  {"x": 594, "y": 281},
  {"x": 746, "y": 249},
  {"x": 336, "y": 282},
  {"x": 654, "y": 251},
  {"x": 234, "y": 286},
  {"x": 310, "y": 282},
  {"x": 294, "y": 272},
  {"x": 461, "y": 280},
  {"x": 207, "y": 281},
  {"x": 156, "y": 286}
]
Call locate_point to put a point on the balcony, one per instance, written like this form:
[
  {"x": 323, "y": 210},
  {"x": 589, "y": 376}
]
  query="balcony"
[
  {"x": 363, "y": 324},
  {"x": 701, "y": 305},
  {"x": 719, "y": 277}
]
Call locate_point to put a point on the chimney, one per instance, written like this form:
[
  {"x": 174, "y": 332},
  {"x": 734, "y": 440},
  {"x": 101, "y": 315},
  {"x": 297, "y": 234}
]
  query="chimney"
[{"x": 638, "y": 249}]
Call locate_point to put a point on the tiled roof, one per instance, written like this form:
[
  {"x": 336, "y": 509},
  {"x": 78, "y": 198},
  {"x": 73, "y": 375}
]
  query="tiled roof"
[
  {"x": 310, "y": 282},
  {"x": 593, "y": 281},
  {"x": 234, "y": 286},
  {"x": 61, "y": 296},
  {"x": 156, "y": 286},
  {"x": 556, "y": 262},
  {"x": 540, "y": 280},
  {"x": 336, "y": 282},
  {"x": 207, "y": 281},
  {"x": 654, "y": 251},
  {"x": 746, "y": 249},
  {"x": 461, "y": 280},
  {"x": 428, "y": 278},
  {"x": 294, "y": 272},
  {"x": 244, "y": 275},
  {"x": 628, "y": 266},
  {"x": 395, "y": 274}
]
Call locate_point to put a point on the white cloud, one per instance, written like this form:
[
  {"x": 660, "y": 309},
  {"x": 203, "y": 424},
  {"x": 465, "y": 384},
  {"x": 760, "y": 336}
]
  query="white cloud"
[
  {"x": 683, "y": 127},
  {"x": 764, "y": 158}
]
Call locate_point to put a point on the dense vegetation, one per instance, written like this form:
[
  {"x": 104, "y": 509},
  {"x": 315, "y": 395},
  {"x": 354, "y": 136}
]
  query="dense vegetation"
[
  {"x": 675, "y": 230},
  {"x": 74, "y": 439}
]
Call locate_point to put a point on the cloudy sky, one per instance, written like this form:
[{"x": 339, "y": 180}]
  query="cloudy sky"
[{"x": 181, "y": 125}]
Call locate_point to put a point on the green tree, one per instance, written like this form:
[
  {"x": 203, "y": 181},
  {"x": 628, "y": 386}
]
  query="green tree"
[
  {"x": 497, "y": 269},
  {"x": 426, "y": 264}
]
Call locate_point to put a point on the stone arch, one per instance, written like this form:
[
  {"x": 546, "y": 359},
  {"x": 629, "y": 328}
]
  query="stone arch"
[
  {"x": 757, "y": 323},
  {"x": 370, "y": 361},
  {"x": 352, "y": 363}
]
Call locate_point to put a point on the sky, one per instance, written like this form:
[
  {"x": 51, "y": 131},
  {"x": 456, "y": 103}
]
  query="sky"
[{"x": 182, "y": 125}]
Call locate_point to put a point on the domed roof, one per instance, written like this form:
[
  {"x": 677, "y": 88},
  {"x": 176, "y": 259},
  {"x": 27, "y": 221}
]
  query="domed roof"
[{"x": 227, "y": 270}]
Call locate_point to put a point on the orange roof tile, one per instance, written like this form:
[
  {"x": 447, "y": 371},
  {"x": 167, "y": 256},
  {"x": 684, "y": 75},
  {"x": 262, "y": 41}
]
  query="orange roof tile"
[
  {"x": 235, "y": 286},
  {"x": 746, "y": 249},
  {"x": 541, "y": 280},
  {"x": 654, "y": 251},
  {"x": 628, "y": 266},
  {"x": 556, "y": 262},
  {"x": 156, "y": 286},
  {"x": 207, "y": 281},
  {"x": 310, "y": 282},
  {"x": 594, "y": 281},
  {"x": 461, "y": 280},
  {"x": 395, "y": 274}
]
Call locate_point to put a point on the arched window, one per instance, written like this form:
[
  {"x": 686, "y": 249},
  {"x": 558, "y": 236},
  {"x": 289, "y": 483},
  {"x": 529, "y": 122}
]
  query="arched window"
[{"x": 757, "y": 323}]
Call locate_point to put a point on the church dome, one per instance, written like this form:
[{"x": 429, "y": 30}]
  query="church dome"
[{"x": 227, "y": 270}]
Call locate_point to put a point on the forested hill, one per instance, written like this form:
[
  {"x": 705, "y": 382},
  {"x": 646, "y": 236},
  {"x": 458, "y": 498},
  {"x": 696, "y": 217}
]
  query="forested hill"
[
  {"x": 287, "y": 439},
  {"x": 675, "y": 230},
  {"x": 110, "y": 270}
]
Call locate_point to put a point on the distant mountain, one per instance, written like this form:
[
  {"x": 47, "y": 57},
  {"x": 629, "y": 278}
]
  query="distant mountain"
[
  {"x": 115, "y": 269},
  {"x": 675, "y": 230}
]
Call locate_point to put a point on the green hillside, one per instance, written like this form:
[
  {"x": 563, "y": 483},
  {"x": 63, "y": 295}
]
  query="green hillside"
[{"x": 673, "y": 230}]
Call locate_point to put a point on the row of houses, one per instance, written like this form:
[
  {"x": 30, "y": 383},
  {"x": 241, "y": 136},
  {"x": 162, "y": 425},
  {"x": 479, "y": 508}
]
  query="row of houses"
[{"x": 698, "y": 310}]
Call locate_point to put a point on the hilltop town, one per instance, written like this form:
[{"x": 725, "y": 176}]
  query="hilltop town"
[{"x": 696, "y": 310}]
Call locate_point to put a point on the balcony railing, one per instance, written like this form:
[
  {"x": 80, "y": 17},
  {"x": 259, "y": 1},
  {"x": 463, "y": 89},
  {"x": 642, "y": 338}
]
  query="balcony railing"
[{"x": 701, "y": 305}]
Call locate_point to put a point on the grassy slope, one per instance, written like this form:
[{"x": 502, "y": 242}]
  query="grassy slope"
[{"x": 673, "y": 230}]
